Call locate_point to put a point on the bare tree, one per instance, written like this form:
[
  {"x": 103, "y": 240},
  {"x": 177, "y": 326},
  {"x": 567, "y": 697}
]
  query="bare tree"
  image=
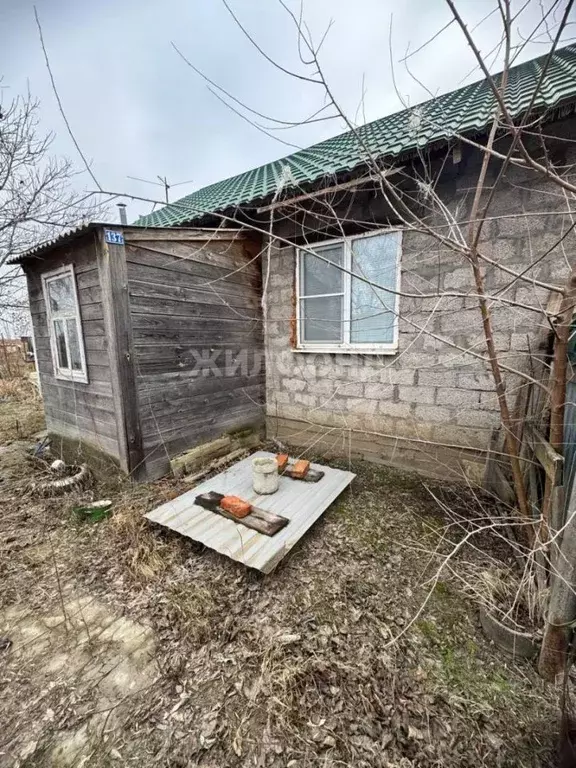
[{"x": 38, "y": 196}]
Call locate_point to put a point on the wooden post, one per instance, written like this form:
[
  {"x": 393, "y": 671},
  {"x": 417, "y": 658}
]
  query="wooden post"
[
  {"x": 115, "y": 301},
  {"x": 562, "y": 606},
  {"x": 558, "y": 385}
]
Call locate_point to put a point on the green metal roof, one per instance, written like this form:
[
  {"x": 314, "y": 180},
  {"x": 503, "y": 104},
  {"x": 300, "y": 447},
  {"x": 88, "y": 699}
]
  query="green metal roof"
[{"x": 467, "y": 110}]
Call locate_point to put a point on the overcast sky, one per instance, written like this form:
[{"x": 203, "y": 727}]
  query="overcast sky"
[{"x": 137, "y": 109}]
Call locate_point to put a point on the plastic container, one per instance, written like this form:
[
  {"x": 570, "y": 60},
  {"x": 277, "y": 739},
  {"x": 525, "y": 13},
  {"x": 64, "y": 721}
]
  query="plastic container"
[{"x": 265, "y": 475}]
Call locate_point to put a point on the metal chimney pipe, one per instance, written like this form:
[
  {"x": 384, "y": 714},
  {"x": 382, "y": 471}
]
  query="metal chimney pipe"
[{"x": 122, "y": 211}]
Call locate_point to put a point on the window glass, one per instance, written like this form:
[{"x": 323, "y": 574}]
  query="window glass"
[
  {"x": 61, "y": 294},
  {"x": 65, "y": 325},
  {"x": 73, "y": 345},
  {"x": 60, "y": 334},
  {"x": 318, "y": 277},
  {"x": 372, "y": 315},
  {"x": 321, "y": 319}
]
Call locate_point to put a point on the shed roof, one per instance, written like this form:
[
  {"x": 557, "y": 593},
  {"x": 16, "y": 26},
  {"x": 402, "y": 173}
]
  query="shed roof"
[
  {"x": 66, "y": 236},
  {"x": 467, "y": 110},
  {"x": 69, "y": 235}
]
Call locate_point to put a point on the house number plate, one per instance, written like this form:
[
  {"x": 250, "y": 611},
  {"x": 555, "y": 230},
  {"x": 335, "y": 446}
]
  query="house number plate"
[{"x": 116, "y": 238}]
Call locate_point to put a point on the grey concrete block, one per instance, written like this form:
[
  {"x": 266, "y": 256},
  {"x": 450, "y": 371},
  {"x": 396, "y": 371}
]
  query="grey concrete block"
[
  {"x": 454, "y": 392},
  {"x": 294, "y": 385},
  {"x": 437, "y": 378},
  {"x": 416, "y": 394},
  {"x": 329, "y": 371},
  {"x": 278, "y": 396},
  {"x": 403, "y": 375},
  {"x": 310, "y": 401},
  {"x": 481, "y": 381},
  {"x": 463, "y": 321},
  {"x": 460, "y": 278},
  {"x": 427, "y": 413},
  {"x": 457, "y": 397},
  {"x": 329, "y": 387},
  {"x": 489, "y": 401},
  {"x": 502, "y": 251},
  {"x": 396, "y": 410},
  {"x": 476, "y": 418},
  {"x": 520, "y": 342},
  {"x": 378, "y": 391},
  {"x": 367, "y": 373},
  {"x": 361, "y": 405}
]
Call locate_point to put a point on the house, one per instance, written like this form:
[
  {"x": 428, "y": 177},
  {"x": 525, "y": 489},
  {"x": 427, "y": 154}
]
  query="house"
[{"x": 370, "y": 327}]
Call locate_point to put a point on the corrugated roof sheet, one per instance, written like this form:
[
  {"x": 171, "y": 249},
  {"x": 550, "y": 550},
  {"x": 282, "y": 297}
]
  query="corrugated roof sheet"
[
  {"x": 68, "y": 235},
  {"x": 64, "y": 237},
  {"x": 467, "y": 110},
  {"x": 302, "y": 503}
]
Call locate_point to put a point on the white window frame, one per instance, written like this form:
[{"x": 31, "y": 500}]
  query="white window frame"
[
  {"x": 67, "y": 374},
  {"x": 346, "y": 346}
]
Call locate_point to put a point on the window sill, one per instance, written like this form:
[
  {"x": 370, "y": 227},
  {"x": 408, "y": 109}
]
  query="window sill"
[
  {"x": 78, "y": 378},
  {"x": 349, "y": 350}
]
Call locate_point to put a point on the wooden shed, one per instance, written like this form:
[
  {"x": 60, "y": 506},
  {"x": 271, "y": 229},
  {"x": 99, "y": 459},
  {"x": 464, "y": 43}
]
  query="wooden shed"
[{"x": 148, "y": 340}]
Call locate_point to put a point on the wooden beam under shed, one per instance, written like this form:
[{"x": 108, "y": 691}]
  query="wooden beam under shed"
[
  {"x": 327, "y": 190},
  {"x": 169, "y": 233}
]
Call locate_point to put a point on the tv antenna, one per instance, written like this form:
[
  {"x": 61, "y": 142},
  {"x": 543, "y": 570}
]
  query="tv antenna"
[{"x": 162, "y": 182}]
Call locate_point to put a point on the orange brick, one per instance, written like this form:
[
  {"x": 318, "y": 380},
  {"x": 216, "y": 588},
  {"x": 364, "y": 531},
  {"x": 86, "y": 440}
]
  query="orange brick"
[
  {"x": 300, "y": 469},
  {"x": 235, "y": 506},
  {"x": 281, "y": 460}
]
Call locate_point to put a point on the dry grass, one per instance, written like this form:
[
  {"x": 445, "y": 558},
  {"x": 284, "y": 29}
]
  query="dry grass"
[
  {"x": 21, "y": 413},
  {"x": 146, "y": 556},
  {"x": 15, "y": 389},
  {"x": 315, "y": 665},
  {"x": 517, "y": 601}
]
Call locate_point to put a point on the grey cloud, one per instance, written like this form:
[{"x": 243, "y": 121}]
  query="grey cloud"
[{"x": 137, "y": 109}]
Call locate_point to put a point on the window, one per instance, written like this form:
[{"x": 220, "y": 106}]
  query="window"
[
  {"x": 64, "y": 324},
  {"x": 338, "y": 311}
]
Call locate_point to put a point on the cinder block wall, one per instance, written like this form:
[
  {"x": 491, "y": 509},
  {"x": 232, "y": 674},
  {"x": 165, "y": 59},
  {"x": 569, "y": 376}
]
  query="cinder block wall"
[{"x": 429, "y": 407}]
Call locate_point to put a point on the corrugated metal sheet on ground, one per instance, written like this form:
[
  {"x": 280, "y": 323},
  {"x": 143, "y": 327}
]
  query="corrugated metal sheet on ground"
[{"x": 302, "y": 503}]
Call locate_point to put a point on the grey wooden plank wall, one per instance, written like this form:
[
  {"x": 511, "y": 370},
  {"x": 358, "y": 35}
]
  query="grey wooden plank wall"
[
  {"x": 198, "y": 343},
  {"x": 74, "y": 409}
]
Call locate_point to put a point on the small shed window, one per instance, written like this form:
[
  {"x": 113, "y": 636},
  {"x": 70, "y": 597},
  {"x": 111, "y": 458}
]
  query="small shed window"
[
  {"x": 338, "y": 310},
  {"x": 65, "y": 324}
]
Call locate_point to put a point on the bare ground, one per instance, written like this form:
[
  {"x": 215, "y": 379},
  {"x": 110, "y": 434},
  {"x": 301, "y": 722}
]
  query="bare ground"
[{"x": 131, "y": 645}]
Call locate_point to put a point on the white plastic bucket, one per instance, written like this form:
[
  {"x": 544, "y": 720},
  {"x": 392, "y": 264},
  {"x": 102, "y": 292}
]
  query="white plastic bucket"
[{"x": 265, "y": 475}]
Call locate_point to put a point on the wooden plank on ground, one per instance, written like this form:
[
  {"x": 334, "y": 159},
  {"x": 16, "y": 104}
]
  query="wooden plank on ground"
[{"x": 258, "y": 519}]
